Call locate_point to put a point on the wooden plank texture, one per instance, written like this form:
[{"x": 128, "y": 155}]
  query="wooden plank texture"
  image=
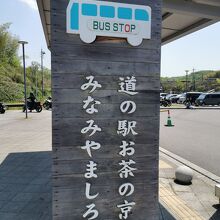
[{"x": 72, "y": 62}]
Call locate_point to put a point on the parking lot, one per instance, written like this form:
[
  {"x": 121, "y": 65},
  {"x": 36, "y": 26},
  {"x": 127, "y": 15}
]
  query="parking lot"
[
  {"x": 25, "y": 160},
  {"x": 18, "y": 134},
  {"x": 195, "y": 136},
  {"x": 25, "y": 166}
]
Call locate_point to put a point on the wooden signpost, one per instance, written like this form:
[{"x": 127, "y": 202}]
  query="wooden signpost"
[{"x": 105, "y": 116}]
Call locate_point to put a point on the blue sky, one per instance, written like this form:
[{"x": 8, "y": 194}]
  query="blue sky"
[
  {"x": 200, "y": 50},
  {"x": 26, "y": 24}
]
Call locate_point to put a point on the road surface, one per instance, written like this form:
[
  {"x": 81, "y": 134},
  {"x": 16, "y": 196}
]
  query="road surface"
[
  {"x": 195, "y": 137},
  {"x": 18, "y": 134}
]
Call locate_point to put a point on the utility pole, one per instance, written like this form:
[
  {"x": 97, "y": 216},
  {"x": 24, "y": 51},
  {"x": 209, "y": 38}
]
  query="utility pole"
[
  {"x": 194, "y": 80},
  {"x": 24, "y": 69},
  {"x": 187, "y": 71},
  {"x": 36, "y": 84},
  {"x": 42, "y": 53}
]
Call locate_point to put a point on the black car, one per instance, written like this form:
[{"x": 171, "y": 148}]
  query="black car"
[
  {"x": 208, "y": 99},
  {"x": 191, "y": 97}
]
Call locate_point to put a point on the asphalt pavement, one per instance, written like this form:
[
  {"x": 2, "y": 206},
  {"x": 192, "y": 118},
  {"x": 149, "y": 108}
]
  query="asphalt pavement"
[
  {"x": 25, "y": 166},
  {"x": 18, "y": 134},
  {"x": 25, "y": 175},
  {"x": 195, "y": 136}
]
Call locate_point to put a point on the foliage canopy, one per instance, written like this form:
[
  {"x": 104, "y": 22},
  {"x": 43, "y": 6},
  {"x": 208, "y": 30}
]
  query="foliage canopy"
[{"x": 11, "y": 71}]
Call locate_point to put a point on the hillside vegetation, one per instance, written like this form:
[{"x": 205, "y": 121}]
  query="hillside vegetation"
[
  {"x": 200, "y": 81},
  {"x": 12, "y": 82},
  {"x": 11, "y": 71}
]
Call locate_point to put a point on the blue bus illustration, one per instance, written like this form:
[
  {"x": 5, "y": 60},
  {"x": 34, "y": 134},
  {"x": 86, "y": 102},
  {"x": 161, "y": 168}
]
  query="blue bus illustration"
[{"x": 98, "y": 18}]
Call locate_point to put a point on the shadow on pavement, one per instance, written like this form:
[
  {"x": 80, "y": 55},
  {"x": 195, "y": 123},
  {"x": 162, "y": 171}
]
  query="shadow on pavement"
[
  {"x": 216, "y": 215},
  {"x": 182, "y": 183},
  {"x": 25, "y": 186},
  {"x": 165, "y": 214}
]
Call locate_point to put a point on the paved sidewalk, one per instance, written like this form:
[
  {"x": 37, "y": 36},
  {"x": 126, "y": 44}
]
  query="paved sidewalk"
[
  {"x": 182, "y": 106},
  {"x": 195, "y": 201},
  {"x": 25, "y": 176},
  {"x": 25, "y": 166}
]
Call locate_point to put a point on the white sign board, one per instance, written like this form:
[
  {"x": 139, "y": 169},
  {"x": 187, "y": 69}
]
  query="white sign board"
[{"x": 98, "y": 18}]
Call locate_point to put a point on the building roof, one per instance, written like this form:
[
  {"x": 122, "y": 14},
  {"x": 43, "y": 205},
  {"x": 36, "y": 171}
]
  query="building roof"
[{"x": 179, "y": 17}]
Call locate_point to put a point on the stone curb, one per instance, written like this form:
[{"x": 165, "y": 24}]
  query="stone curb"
[
  {"x": 195, "y": 108},
  {"x": 185, "y": 162}
]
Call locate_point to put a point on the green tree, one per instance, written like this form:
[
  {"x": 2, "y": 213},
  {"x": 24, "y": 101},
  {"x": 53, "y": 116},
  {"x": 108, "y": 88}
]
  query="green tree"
[
  {"x": 11, "y": 71},
  {"x": 8, "y": 47},
  {"x": 34, "y": 75}
]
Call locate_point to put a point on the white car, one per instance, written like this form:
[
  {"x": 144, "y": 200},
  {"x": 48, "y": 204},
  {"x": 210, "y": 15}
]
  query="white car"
[
  {"x": 163, "y": 95},
  {"x": 182, "y": 99}
]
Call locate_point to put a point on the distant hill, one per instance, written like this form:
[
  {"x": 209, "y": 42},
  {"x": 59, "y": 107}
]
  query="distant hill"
[
  {"x": 11, "y": 71},
  {"x": 12, "y": 82},
  {"x": 198, "y": 81}
]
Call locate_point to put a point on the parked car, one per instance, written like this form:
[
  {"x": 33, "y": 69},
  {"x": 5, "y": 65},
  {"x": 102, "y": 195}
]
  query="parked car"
[
  {"x": 162, "y": 95},
  {"x": 169, "y": 96},
  {"x": 208, "y": 99},
  {"x": 174, "y": 99},
  {"x": 191, "y": 98},
  {"x": 182, "y": 98}
]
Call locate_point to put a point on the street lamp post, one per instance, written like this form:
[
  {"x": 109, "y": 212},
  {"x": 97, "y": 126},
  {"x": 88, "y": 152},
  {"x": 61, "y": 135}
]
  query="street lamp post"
[
  {"x": 187, "y": 71},
  {"x": 36, "y": 84},
  {"x": 25, "y": 84},
  {"x": 194, "y": 80},
  {"x": 42, "y": 53}
]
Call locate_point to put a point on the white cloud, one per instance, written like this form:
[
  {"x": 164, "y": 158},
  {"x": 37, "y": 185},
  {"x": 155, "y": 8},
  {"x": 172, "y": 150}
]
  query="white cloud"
[{"x": 31, "y": 3}]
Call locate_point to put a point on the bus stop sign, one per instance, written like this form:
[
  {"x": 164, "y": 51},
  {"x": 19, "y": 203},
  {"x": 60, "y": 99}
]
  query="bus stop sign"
[{"x": 97, "y": 18}]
